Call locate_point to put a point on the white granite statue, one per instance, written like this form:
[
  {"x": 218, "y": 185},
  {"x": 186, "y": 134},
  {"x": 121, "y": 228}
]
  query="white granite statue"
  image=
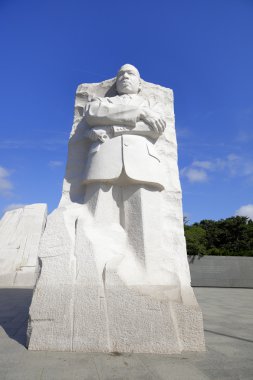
[{"x": 114, "y": 274}]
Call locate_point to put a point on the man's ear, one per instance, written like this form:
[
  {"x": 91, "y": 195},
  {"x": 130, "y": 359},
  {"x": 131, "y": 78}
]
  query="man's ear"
[{"x": 139, "y": 87}]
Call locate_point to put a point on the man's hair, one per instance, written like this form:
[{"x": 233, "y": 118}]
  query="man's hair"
[{"x": 127, "y": 66}]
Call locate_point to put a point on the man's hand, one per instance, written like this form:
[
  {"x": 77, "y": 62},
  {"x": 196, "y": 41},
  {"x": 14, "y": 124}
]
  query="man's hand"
[
  {"x": 153, "y": 119},
  {"x": 98, "y": 134}
]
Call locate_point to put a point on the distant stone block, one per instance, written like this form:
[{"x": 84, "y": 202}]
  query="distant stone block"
[{"x": 20, "y": 233}]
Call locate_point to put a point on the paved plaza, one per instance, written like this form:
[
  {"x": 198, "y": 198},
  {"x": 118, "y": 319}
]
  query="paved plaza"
[{"x": 228, "y": 323}]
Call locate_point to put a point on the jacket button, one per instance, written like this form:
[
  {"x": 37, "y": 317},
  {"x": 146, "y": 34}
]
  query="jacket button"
[{"x": 125, "y": 144}]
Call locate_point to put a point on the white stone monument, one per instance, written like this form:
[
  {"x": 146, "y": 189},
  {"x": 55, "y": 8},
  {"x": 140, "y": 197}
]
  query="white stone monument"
[
  {"x": 115, "y": 275},
  {"x": 20, "y": 233}
]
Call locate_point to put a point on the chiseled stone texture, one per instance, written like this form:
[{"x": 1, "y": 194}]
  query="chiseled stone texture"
[
  {"x": 94, "y": 293},
  {"x": 20, "y": 234}
]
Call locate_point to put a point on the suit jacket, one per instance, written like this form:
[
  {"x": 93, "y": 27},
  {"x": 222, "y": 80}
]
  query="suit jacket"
[{"x": 129, "y": 146}]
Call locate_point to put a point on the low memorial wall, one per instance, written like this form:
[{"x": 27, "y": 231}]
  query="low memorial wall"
[{"x": 222, "y": 271}]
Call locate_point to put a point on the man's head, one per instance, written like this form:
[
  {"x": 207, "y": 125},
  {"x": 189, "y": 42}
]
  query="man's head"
[{"x": 128, "y": 80}]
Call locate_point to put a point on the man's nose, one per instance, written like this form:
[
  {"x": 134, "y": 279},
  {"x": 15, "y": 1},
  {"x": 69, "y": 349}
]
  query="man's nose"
[{"x": 125, "y": 75}]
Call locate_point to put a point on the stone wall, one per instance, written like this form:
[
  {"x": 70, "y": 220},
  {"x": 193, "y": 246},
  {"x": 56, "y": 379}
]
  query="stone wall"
[{"x": 222, "y": 271}]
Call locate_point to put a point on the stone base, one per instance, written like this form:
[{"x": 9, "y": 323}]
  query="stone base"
[
  {"x": 82, "y": 302},
  {"x": 114, "y": 318}
]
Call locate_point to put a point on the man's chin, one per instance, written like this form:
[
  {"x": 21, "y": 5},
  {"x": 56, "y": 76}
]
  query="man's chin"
[{"x": 126, "y": 91}]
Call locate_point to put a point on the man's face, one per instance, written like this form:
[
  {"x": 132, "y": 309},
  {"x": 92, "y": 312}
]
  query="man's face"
[{"x": 128, "y": 81}]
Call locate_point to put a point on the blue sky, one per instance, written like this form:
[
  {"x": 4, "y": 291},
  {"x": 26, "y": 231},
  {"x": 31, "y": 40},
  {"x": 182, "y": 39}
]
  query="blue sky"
[{"x": 202, "y": 49}]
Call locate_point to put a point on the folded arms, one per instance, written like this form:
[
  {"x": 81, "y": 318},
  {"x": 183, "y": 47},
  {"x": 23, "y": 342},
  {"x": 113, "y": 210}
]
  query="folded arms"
[{"x": 107, "y": 118}]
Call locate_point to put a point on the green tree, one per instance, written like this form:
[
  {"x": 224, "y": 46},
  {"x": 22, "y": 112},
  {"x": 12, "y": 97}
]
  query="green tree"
[
  {"x": 195, "y": 240},
  {"x": 230, "y": 236}
]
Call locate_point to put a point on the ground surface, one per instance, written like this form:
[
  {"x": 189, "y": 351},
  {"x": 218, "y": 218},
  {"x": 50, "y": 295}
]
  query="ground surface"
[{"x": 228, "y": 321}]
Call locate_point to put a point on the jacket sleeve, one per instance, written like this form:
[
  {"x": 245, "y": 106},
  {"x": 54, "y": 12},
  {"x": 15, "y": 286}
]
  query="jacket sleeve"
[
  {"x": 101, "y": 112},
  {"x": 141, "y": 129}
]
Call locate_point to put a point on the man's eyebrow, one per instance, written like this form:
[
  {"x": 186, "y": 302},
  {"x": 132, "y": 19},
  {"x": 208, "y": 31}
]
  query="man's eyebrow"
[{"x": 128, "y": 71}]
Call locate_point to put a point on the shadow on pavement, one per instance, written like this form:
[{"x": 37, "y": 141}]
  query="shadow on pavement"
[
  {"x": 229, "y": 336},
  {"x": 14, "y": 312}
]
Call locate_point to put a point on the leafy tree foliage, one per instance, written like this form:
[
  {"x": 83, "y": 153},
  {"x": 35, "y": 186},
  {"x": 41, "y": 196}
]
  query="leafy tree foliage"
[
  {"x": 227, "y": 237},
  {"x": 196, "y": 240}
]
